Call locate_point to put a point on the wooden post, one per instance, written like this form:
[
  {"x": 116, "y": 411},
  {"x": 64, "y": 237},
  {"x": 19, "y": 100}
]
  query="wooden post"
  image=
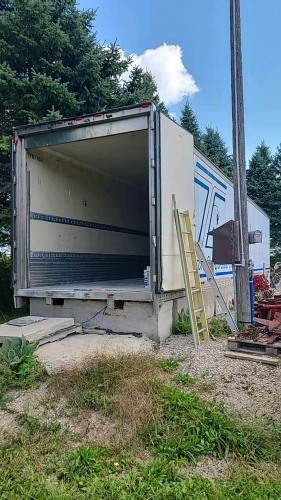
[{"x": 239, "y": 164}]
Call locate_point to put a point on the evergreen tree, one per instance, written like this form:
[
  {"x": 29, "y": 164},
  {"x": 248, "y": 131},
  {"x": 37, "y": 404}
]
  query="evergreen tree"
[
  {"x": 50, "y": 59},
  {"x": 215, "y": 148},
  {"x": 189, "y": 122},
  {"x": 140, "y": 87},
  {"x": 275, "y": 202},
  {"x": 49, "y": 56},
  {"x": 263, "y": 185},
  {"x": 4, "y": 191}
]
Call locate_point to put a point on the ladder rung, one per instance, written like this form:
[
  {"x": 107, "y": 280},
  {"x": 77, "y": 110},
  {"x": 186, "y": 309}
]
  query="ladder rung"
[
  {"x": 193, "y": 271},
  {"x": 186, "y": 232},
  {"x": 198, "y": 310},
  {"x": 189, "y": 251},
  {"x": 195, "y": 290},
  {"x": 202, "y": 330}
]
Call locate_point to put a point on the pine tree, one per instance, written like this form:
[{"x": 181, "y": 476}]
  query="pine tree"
[
  {"x": 49, "y": 56},
  {"x": 51, "y": 59},
  {"x": 215, "y": 148},
  {"x": 140, "y": 87},
  {"x": 189, "y": 122},
  {"x": 263, "y": 185},
  {"x": 4, "y": 191},
  {"x": 275, "y": 200}
]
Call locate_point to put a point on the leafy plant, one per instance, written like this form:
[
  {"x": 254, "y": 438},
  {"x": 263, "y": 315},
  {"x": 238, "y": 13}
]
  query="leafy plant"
[
  {"x": 219, "y": 327},
  {"x": 6, "y": 295},
  {"x": 18, "y": 366},
  {"x": 15, "y": 351},
  {"x": 96, "y": 400},
  {"x": 190, "y": 426},
  {"x": 183, "y": 326},
  {"x": 85, "y": 460},
  {"x": 185, "y": 379},
  {"x": 169, "y": 365}
]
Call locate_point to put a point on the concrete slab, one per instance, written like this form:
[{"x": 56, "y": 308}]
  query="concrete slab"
[
  {"x": 35, "y": 331},
  {"x": 73, "y": 350},
  {"x": 54, "y": 337}
]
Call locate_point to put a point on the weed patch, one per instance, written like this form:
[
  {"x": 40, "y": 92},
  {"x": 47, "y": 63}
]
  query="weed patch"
[
  {"x": 120, "y": 386},
  {"x": 219, "y": 328},
  {"x": 169, "y": 365},
  {"x": 189, "y": 426},
  {"x": 183, "y": 325},
  {"x": 185, "y": 379},
  {"x": 82, "y": 462},
  {"x": 171, "y": 427}
]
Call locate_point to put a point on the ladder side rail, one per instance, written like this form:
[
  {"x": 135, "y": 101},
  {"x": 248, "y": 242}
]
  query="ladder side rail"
[
  {"x": 194, "y": 261},
  {"x": 189, "y": 297}
]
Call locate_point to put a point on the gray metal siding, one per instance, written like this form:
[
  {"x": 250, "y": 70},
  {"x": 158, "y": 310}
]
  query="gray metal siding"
[{"x": 83, "y": 223}]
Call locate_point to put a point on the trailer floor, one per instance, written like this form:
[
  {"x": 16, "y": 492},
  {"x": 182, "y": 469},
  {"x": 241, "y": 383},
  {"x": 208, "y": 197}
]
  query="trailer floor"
[{"x": 131, "y": 289}]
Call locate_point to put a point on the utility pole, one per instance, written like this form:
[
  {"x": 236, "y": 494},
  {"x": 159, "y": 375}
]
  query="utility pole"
[{"x": 242, "y": 305}]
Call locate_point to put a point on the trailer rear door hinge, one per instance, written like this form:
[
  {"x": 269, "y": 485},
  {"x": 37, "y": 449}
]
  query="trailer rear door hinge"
[
  {"x": 15, "y": 212},
  {"x": 152, "y": 125},
  {"x": 154, "y": 278},
  {"x": 154, "y": 240},
  {"x": 15, "y": 179},
  {"x": 15, "y": 244},
  {"x": 152, "y": 163},
  {"x": 15, "y": 277},
  {"x": 152, "y": 201}
]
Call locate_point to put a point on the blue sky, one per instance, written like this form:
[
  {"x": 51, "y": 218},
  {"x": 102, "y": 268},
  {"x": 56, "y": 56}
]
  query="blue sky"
[{"x": 197, "y": 55}]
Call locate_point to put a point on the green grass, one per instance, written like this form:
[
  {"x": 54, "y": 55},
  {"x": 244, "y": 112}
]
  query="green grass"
[
  {"x": 166, "y": 430},
  {"x": 190, "y": 426},
  {"x": 169, "y": 365},
  {"x": 185, "y": 379}
]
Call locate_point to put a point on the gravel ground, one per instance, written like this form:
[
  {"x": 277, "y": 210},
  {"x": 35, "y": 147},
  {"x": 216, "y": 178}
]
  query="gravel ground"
[{"x": 247, "y": 388}]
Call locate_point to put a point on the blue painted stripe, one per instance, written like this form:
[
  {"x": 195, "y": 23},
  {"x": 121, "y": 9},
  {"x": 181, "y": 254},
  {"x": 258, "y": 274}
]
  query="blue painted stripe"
[
  {"x": 210, "y": 174},
  {"x": 224, "y": 273},
  {"x": 217, "y": 195},
  {"x": 200, "y": 183}
]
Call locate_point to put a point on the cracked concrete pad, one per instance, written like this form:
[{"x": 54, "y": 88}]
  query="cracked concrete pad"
[{"x": 74, "y": 349}]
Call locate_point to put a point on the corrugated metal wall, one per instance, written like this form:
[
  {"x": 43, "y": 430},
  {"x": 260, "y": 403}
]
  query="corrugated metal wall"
[{"x": 62, "y": 268}]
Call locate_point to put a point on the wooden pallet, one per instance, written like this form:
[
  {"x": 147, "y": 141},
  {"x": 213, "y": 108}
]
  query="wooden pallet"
[
  {"x": 269, "y": 360},
  {"x": 249, "y": 346}
]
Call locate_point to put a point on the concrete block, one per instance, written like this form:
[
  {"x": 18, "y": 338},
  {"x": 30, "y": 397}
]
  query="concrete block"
[{"x": 35, "y": 331}]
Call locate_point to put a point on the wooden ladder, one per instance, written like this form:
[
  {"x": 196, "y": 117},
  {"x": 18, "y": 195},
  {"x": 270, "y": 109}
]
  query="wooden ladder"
[{"x": 191, "y": 277}]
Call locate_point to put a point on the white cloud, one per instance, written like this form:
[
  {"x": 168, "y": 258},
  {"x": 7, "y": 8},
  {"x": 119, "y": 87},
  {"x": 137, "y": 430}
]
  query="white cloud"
[{"x": 166, "y": 65}]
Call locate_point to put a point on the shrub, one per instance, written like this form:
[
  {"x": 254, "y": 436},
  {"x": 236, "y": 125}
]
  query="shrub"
[{"x": 6, "y": 295}]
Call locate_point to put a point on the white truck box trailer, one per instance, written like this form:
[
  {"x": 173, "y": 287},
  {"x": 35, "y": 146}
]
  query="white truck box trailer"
[
  {"x": 214, "y": 205},
  {"x": 92, "y": 209}
]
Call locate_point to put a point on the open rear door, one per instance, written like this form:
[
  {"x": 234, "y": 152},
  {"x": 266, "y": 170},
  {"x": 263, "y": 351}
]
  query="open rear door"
[
  {"x": 19, "y": 209},
  {"x": 174, "y": 175}
]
